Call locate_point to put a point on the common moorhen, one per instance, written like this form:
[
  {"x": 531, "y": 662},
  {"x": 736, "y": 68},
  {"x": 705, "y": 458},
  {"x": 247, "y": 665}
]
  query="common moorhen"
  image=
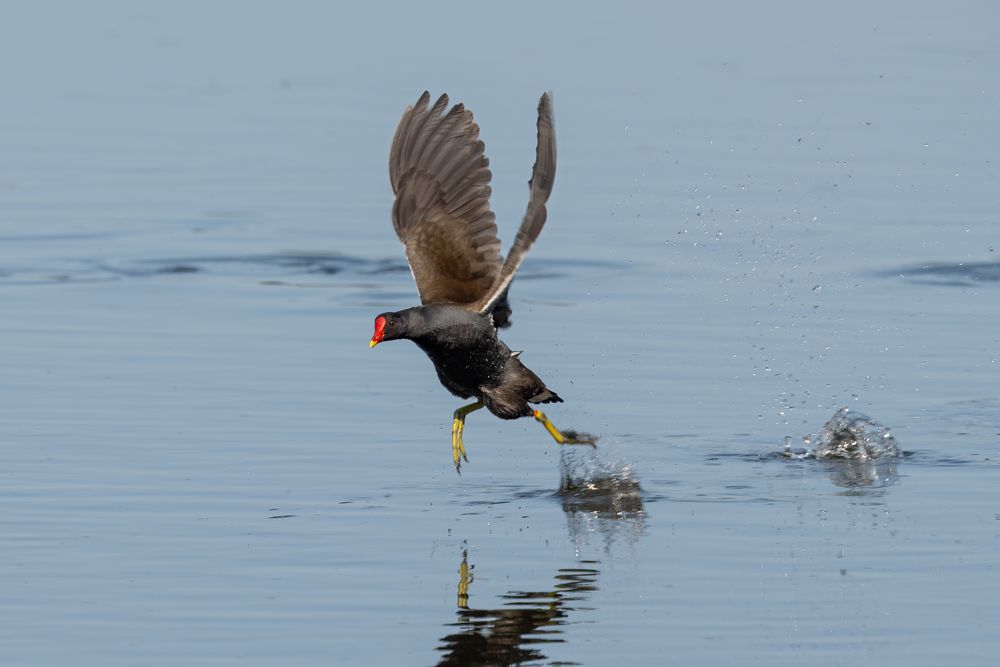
[{"x": 441, "y": 178}]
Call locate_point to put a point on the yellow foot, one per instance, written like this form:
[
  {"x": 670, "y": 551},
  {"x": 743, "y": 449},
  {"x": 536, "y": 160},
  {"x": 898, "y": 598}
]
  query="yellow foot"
[
  {"x": 457, "y": 446},
  {"x": 457, "y": 426},
  {"x": 567, "y": 438}
]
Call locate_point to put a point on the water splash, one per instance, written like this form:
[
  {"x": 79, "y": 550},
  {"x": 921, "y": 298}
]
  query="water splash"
[
  {"x": 852, "y": 435},
  {"x": 600, "y": 496},
  {"x": 590, "y": 483},
  {"x": 858, "y": 450}
]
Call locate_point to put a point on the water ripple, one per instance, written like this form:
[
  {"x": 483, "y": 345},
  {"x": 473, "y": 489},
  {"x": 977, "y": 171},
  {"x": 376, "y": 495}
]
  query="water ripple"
[
  {"x": 264, "y": 267},
  {"x": 961, "y": 274}
]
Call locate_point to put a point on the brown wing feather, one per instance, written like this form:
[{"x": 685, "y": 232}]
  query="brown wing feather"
[
  {"x": 441, "y": 178},
  {"x": 543, "y": 176}
]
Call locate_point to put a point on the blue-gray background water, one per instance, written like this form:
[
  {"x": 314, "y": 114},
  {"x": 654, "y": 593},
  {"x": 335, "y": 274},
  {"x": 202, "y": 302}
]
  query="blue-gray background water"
[{"x": 762, "y": 213}]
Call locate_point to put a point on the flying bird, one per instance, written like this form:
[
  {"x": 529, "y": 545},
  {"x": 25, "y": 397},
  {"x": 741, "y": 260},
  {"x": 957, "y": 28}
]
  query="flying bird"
[{"x": 440, "y": 176}]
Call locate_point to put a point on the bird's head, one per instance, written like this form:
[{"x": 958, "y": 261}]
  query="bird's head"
[{"x": 388, "y": 326}]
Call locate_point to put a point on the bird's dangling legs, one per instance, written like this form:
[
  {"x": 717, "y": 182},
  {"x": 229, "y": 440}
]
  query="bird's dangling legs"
[
  {"x": 567, "y": 438},
  {"x": 457, "y": 447}
]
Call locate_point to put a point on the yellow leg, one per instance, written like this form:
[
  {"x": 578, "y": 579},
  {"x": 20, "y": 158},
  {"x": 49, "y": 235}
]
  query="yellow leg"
[
  {"x": 464, "y": 579},
  {"x": 562, "y": 438},
  {"x": 457, "y": 426}
]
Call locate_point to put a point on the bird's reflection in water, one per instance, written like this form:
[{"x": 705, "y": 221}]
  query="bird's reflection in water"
[
  {"x": 516, "y": 632},
  {"x": 599, "y": 499}
]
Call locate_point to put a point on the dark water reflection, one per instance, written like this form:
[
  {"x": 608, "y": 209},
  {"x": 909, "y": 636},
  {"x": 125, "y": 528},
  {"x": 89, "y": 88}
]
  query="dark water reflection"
[
  {"x": 599, "y": 498},
  {"x": 945, "y": 274},
  {"x": 263, "y": 267},
  {"x": 516, "y": 632}
]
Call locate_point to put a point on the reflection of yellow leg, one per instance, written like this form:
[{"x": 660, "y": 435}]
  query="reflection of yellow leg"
[
  {"x": 562, "y": 438},
  {"x": 457, "y": 446},
  {"x": 464, "y": 579}
]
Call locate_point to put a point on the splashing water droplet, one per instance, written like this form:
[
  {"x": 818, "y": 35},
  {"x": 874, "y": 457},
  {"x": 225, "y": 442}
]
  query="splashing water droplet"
[{"x": 852, "y": 435}]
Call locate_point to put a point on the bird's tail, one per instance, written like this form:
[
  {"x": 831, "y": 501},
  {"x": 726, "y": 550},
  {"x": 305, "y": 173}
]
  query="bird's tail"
[{"x": 545, "y": 396}]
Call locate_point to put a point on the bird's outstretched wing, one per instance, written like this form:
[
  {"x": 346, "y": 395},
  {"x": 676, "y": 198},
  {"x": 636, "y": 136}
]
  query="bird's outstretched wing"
[
  {"x": 441, "y": 178},
  {"x": 543, "y": 176}
]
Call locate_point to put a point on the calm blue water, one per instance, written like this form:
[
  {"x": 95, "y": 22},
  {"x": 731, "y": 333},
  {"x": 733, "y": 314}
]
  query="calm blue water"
[{"x": 761, "y": 215}]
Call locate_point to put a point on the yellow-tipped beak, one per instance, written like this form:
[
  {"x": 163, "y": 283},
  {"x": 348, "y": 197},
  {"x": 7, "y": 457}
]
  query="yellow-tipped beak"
[{"x": 379, "y": 332}]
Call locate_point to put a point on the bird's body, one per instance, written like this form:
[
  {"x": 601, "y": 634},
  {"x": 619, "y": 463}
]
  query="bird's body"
[
  {"x": 472, "y": 361},
  {"x": 440, "y": 176}
]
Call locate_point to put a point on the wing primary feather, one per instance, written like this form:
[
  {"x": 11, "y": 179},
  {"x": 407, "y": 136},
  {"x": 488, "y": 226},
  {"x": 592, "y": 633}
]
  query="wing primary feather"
[
  {"x": 406, "y": 134},
  {"x": 426, "y": 134},
  {"x": 402, "y": 134},
  {"x": 440, "y": 176},
  {"x": 543, "y": 176}
]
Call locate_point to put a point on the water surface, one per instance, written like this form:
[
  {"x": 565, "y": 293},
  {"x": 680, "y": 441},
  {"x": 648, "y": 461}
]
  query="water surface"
[{"x": 761, "y": 215}]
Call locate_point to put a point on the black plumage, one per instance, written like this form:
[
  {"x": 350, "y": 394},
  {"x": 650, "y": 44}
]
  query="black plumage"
[
  {"x": 440, "y": 176},
  {"x": 470, "y": 359}
]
